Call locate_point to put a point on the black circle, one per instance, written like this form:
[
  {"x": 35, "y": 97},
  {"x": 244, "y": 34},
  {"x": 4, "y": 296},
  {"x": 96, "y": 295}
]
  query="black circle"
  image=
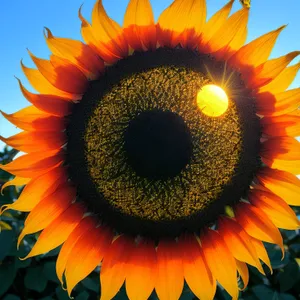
[{"x": 158, "y": 144}]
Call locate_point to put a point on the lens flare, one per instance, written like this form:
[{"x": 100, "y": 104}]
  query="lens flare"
[{"x": 212, "y": 100}]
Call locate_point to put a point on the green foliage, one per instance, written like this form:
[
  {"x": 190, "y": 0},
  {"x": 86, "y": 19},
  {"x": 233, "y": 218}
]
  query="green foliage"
[{"x": 35, "y": 278}]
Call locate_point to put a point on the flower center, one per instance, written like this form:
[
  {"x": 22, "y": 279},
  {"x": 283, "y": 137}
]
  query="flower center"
[{"x": 158, "y": 144}]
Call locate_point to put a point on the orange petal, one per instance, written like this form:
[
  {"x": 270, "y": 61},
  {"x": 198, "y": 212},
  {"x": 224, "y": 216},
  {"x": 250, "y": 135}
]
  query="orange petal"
[
  {"x": 192, "y": 19},
  {"x": 62, "y": 74},
  {"x": 239, "y": 242},
  {"x": 29, "y": 141},
  {"x": 141, "y": 271},
  {"x": 215, "y": 23},
  {"x": 53, "y": 235},
  {"x": 85, "y": 226},
  {"x": 17, "y": 181},
  {"x": 31, "y": 118},
  {"x": 233, "y": 34},
  {"x": 282, "y": 184},
  {"x": 34, "y": 164},
  {"x": 37, "y": 189},
  {"x": 220, "y": 261},
  {"x": 139, "y": 25},
  {"x": 86, "y": 255},
  {"x": 43, "y": 86},
  {"x": 275, "y": 105},
  {"x": 47, "y": 210},
  {"x": 114, "y": 266},
  {"x": 282, "y": 81},
  {"x": 257, "y": 224},
  {"x": 261, "y": 252},
  {"x": 269, "y": 70},
  {"x": 195, "y": 268},
  {"x": 77, "y": 53},
  {"x": 286, "y": 125},
  {"x": 257, "y": 51},
  {"x": 108, "y": 32},
  {"x": 54, "y": 105},
  {"x": 170, "y": 280},
  {"x": 244, "y": 273},
  {"x": 282, "y": 153},
  {"x": 275, "y": 208}
]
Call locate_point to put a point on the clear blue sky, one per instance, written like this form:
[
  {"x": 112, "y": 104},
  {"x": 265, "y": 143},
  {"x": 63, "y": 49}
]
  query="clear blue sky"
[{"x": 22, "y": 22}]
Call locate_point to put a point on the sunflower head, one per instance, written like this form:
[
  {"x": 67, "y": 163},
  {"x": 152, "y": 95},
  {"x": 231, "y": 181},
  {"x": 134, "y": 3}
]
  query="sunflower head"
[{"x": 165, "y": 150}]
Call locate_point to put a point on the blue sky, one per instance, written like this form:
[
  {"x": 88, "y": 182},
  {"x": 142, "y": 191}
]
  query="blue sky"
[{"x": 22, "y": 22}]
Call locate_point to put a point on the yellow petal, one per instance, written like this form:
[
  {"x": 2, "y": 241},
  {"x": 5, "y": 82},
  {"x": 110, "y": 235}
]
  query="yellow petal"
[
  {"x": 169, "y": 282},
  {"x": 34, "y": 164},
  {"x": 220, "y": 261},
  {"x": 278, "y": 104},
  {"x": 282, "y": 184},
  {"x": 282, "y": 81},
  {"x": 53, "y": 235},
  {"x": 195, "y": 268},
  {"x": 86, "y": 226},
  {"x": 215, "y": 23},
  {"x": 233, "y": 34},
  {"x": 43, "y": 86},
  {"x": 192, "y": 18},
  {"x": 244, "y": 273},
  {"x": 86, "y": 254},
  {"x": 114, "y": 266},
  {"x": 275, "y": 208},
  {"x": 76, "y": 52},
  {"x": 268, "y": 71},
  {"x": 257, "y": 51},
  {"x": 261, "y": 252},
  {"x": 17, "y": 181},
  {"x": 139, "y": 25},
  {"x": 239, "y": 242},
  {"x": 141, "y": 271},
  {"x": 257, "y": 224},
  {"x": 108, "y": 32},
  {"x": 37, "y": 189}
]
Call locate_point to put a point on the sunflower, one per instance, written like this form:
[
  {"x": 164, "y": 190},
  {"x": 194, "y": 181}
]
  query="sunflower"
[{"x": 163, "y": 152}]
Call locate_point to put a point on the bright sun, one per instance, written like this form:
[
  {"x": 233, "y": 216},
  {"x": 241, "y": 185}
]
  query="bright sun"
[{"x": 212, "y": 100}]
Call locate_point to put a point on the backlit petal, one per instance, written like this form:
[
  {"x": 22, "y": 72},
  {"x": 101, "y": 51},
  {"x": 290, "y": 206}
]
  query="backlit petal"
[
  {"x": 139, "y": 25},
  {"x": 169, "y": 281},
  {"x": 282, "y": 81},
  {"x": 275, "y": 105},
  {"x": 53, "y": 235},
  {"x": 76, "y": 52},
  {"x": 220, "y": 261},
  {"x": 239, "y": 242},
  {"x": 28, "y": 141},
  {"x": 47, "y": 210},
  {"x": 286, "y": 125},
  {"x": 62, "y": 74},
  {"x": 141, "y": 271},
  {"x": 275, "y": 208},
  {"x": 86, "y": 254},
  {"x": 17, "y": 181},
  {"x": 192, "y": 19},
  {"x": 195, "y": 269},
  {"x": 257, "y": 224},
  {"x": 54, "y": 105},
  {"x": 282, "y": 184},
  {"x": 31, "y": 118},
  {"x": 34, "y": 164},
  {"x": 85, "y": 226},
  {"x": 114, "y": 266},
  {"x": 261, "y": 252},
  {"x": 244, "y": 273}
]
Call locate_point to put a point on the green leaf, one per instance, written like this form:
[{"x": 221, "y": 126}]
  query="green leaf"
[
  {"x": 91, "y": 284},
  {"x": 83, "y": 296},
  {"x": 6, "y": 241},
  {"x": 286, "y": 297},
  {"x": 289, "y": 276},
  {"x": 50, "y": 272},
  {"x": 275, "y": 256},
  {"x": 7, "y": 276},
  {"x": 35, "y": 279},
  {"x": 11, "y": 297},
  {"x": 61, "y": 294},
  {"x": 263, "y": 292}
]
